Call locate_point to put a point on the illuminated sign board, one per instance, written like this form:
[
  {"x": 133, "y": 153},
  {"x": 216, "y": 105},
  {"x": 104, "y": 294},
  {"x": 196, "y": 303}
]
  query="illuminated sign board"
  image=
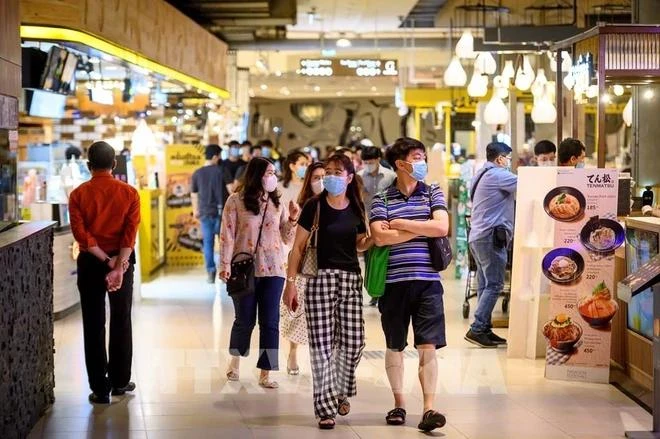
[{"x": 321, "y": 67}]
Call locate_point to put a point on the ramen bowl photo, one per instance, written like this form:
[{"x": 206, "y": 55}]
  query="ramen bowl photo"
[
  {"x": 565, "y": 204},
  {"x": 602, "y": 235},
  {"x": 563, "y": 265}
]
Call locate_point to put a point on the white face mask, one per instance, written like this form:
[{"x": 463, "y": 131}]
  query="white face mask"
[
  {"x": 547, "y": 163},
  {"x": 269, "y": 183},
  {"x": 317, "y": 187},
  {"x": 371, "y": 167}
]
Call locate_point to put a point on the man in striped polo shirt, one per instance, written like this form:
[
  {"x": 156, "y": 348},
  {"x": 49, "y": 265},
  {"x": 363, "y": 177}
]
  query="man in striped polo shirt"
[{"x": 404, "y": 217}]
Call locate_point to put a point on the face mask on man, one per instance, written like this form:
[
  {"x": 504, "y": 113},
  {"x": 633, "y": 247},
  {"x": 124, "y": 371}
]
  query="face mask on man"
[
  {"x": 371, "y": 167},
  {"x": 269, "y": 183},
  {"x": 546, "y": 163},
  {"x": 579, "y": 165},
  {"x": 419, "y": 170}
]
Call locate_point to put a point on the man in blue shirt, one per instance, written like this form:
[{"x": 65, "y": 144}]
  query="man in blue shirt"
[
  {"x": 404, "y": 217},
  {"x": 207, "y": 200},
  {"x": 493, "y": 192}
]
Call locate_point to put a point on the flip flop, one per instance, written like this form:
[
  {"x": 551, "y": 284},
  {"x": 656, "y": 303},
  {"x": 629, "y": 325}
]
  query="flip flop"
[
  {"x": 325, "y": 425},
  {"x": 432, "y": 420},
  {"x": 344, "y": 406},
  {"x": 396, "y": 416},
  {"x": 232, "y": 374},
  {"x": 263, "y": 382}
]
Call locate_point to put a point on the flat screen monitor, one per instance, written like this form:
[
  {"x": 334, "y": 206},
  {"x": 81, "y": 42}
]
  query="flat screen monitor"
[
  {"x": 41, "y": 103},
  {"x": 641, "y": 247}
]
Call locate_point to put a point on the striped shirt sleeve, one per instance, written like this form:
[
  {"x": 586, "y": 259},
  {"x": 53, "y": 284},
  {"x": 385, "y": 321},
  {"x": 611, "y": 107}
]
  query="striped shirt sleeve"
[
  {"x": 378, "y": 209},
  {"x": 437, "y": 199}
]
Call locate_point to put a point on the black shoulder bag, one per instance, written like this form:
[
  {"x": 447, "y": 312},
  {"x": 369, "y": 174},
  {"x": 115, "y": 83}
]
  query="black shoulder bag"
[
  {"x": 439, "y": 248},
  {"x": 500, "y": 239},
  {"x": 241, "y": 280}
]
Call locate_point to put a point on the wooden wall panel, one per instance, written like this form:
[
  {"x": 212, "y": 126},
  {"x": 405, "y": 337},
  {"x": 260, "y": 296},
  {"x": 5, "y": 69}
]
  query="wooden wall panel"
[
  {"x": 10, "y": 48},
  {"x": 152, "y": 28}
]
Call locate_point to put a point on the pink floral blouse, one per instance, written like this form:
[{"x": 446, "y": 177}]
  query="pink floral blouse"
[{"x": 240, "y": 231}]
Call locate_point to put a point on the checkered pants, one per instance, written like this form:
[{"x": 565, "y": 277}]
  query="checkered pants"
[{"x": 333, "y": 307}]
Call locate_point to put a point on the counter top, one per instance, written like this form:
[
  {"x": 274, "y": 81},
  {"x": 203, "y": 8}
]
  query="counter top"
[{"x": 23, "y": 231}]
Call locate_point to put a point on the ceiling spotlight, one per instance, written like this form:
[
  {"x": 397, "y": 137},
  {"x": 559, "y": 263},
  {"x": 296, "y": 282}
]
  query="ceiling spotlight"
[
  {"x": 317, "y": 88},
  {"x": 648, "y": 94},
  {"x": 374, "y": 88},
  {"x": 343, "y": 42},
  {"x": 264, "y": 87},
  {"x": 618, "y": 89}
]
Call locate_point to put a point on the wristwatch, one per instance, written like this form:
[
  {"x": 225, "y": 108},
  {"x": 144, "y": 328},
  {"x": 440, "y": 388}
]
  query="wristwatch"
[
  {"x": 291, "y": 279},
  {"x": 106, "y": 260}
]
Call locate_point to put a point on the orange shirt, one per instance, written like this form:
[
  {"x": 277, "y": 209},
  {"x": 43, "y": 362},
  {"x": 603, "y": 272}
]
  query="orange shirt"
[{"x": 104, "y": 212}]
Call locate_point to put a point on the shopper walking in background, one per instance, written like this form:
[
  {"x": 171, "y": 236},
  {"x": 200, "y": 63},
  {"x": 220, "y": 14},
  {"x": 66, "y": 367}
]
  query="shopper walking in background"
[
  {"x": 231, "y": 166},
  {"x": 293, "y": 326},
  {"x": 255, "y": 222},
  {"x": 375, "y": 178},
  {"x": 207, "y": 200},
  {"x": 493, "y": 195},
  {"x": 333, "y": 302},
  {"x": 293, "y": 174},
  {"x": 545, "y": 153},
  {"x": 404, "y": 217},
  {"x": 104, "y": 215},
  {"x": 571, "y": 153}
]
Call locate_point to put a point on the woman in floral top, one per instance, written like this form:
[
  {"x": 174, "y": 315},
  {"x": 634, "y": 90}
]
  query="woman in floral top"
[{"x": 241, "y": 222}]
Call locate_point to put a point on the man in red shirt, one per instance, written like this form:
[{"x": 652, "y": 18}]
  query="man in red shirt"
[{"x": 105, "y": 214}]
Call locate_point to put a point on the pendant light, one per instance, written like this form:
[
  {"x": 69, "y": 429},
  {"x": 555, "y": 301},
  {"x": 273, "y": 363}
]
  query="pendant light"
[
  {"x": 569, "y": 79},
  {"x": 618, "y": 90},
  {"x": 478, "y": 86},
  {"x": 455, "y": 75},
  {"x": 508, "y": 72},
  {"x": 496, "y": 112},
  {"x": 502, "y": 92},
  {"x": 524, "y": 76},
  {"x": 465, "y": 45},
  {"x": 538, "y": 86},
  {"x": 566, "y": 62},
  {"x": 486, "y": 63},
  {"x": 627, "y": 113},
  {"x": 544, "y": 110}
]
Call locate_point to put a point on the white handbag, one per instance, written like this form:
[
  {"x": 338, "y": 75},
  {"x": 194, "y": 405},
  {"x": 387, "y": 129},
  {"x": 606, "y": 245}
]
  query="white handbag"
[{"x": 293, "y": 324}]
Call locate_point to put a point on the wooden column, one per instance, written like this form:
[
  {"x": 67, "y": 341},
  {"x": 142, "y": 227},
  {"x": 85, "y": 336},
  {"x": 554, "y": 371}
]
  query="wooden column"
[{"x": 10, "y": 64}]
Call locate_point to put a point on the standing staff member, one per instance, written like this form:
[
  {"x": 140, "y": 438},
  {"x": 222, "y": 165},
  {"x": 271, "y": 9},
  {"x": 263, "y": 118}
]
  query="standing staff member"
[
  {"x": 105, "y": 214},
  {"x": 207, "y": 200},
  {"x": 493, "y": 194},
  {"x": 333, "y": 302}
]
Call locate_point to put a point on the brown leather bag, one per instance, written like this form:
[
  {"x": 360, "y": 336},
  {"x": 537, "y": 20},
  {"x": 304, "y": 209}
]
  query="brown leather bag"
[{"x": 309, "y": 265}]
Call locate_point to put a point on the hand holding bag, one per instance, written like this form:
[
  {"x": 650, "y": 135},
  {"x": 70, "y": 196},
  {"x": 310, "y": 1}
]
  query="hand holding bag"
[
  {"x": 241, "y": 280},
  {"x": 377, "y": 259},
  {"x": 309, "y": 265},
  {"x": 439, "y": 248}
]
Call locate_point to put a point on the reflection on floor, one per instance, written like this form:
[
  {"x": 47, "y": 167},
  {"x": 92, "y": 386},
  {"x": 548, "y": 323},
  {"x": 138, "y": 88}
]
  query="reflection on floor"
[{"x": 181, "y": 332}]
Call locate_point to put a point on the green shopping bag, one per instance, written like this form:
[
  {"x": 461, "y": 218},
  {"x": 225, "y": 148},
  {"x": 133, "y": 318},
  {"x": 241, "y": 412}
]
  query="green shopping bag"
[
  {"x": 376, "y": 266},
  {"x": 376, "y": 270}
]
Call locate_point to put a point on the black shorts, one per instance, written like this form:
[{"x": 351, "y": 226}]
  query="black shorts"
[{"x": 419, "y": 301}]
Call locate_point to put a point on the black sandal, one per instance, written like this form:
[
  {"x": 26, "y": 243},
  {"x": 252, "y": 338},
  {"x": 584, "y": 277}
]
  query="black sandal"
[
  {"x": 396, "y": 416},
  {"x": 344, "y": 406},
  {"x": 324, "y": 425},
  {"x": 432, "y": 420}
]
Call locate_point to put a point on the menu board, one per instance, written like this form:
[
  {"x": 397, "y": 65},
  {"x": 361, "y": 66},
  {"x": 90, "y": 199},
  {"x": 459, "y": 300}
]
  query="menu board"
[
  {"x": 580, "y": 268},
  {"x": 183, "y": 230}
]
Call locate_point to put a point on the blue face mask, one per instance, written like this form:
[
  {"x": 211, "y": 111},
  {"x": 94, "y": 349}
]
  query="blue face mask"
[
  {"x": 234, "y": 152},
  {"x": 300, "y": 172},
  {"x": 334, "y": 185},
  {"x": 419, "y": 170},
  {"x": 579, "y": 165}
]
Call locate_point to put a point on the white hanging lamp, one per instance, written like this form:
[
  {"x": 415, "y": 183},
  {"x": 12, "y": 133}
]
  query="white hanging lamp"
[
  {"x": 496, "y": 112},
  {"x": 538, "y": 86},
  {"x": 524, "y": 76},
  {"x": 627, "y": 113},
  {"x": 486, "y": 63},
  {"x": 618, "y": 90},
  {"x": 455, "y": 75},
  {"x": 508, "y": 72},
  {"x": 465, "y": 45},
  {"x": 566, "y": 62},
  {"x": 478, "y": 86}
]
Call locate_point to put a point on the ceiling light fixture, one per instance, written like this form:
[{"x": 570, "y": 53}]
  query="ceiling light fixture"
[
  {"x": 343, "y": 42},
  {"x": 618, "y": 90},
  {"x": 538, "y": 86},
  {"x": 465, "y": 45},
  {"x": 496, "y": 112},
  {"x": 478, "y": 86},
  {"x": 627, "y": 113},
  {"x": 508, "y": 72},
  {"x": 455, "y": 75},
  {"x": 486, "y": 63},
  {"x": 264, "y": 87},
  {"x": 525, "y": 75}
]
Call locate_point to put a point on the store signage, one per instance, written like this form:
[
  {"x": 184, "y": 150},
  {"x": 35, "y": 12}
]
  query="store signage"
[
  {"x": 580, "y": 268},
  {"x": 583, "y": 71},
  {"x": 325, "y": 67}
]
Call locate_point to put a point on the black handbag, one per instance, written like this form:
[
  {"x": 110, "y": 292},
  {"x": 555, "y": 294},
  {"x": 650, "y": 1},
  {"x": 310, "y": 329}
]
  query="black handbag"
[
  {"x": 241, "y": 279},
  {"x": 439, "y": 248}
]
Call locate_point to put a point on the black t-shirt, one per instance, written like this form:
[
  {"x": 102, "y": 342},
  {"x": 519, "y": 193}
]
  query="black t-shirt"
[
  {"x": 231, "y": 168},
  {"x": 207, "y": 183},
  {"x": 338, "y": 231}
]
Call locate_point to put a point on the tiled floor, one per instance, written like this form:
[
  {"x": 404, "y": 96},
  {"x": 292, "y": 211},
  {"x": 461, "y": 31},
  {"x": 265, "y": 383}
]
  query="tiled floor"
[{"x": 181, "y": 332}]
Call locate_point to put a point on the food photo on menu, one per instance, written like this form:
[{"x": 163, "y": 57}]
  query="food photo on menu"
[
  {"x": 563, "y": 335},
  {"x": 599, "y": 308},
  {"x": 563, "y": 266},
  {"x": 602, "y": 235},
  {"x": 565, "y": 204}
]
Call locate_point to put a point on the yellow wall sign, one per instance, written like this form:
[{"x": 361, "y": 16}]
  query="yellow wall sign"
[{"x": 184, "y": 233}]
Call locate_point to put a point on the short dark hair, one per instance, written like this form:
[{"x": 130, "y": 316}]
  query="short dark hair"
[
  {"x": 371, "y": 153},
  {"x": 72, "y": 151},
  {"x": 233, "y": 143},
  {"x": 497, "y": 149},
  {"x": 569, "y": 147},
  {"x": 212, "y": 150},
  {"x": 401, "y": 148},
  {"x": 266, "y": 143},
  {"x": 101, "y": 156},
  {"x": 544, "y": 147},
  {"x": 254, "y": 148},
  {"x": 246, "y": 143}
]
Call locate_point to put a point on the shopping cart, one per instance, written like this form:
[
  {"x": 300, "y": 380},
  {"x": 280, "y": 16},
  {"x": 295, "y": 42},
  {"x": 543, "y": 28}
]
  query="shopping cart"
[{"x": 471, "y": 285}]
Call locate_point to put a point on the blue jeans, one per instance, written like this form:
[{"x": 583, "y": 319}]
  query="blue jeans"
[
  {"x": 491, "y": 266},
  {"x": 210, "y": 229},
  {"x": 265, "y": 301}
]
